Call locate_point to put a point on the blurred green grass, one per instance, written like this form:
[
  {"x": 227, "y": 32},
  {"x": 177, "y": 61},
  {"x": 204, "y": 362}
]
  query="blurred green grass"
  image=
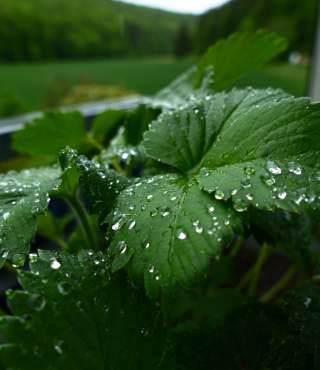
[{"x": 31, "y": 85}]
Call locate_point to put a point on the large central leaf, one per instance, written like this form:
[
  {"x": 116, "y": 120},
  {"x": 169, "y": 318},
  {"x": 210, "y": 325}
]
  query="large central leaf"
[{"x": 259, "y": 147}]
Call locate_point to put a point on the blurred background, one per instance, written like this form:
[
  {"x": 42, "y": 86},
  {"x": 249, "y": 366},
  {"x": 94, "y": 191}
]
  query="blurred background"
[{"x": 57, "y": 52}]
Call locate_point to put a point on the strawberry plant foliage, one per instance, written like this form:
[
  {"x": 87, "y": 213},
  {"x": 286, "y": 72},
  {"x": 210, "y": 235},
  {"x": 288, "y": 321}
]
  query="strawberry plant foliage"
[
  {"x": 94, "y": 320},
  {"x": 152, "y": 222},
  {"x": 23, "y": 196}
]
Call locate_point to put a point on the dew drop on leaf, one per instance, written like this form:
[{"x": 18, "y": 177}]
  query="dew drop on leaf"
[
  {"x": 268, "y": 180},
  {"x": 246, "y": 183},
  {"x": 307, "y": 302},
  {"x": 6, "y": 215},
  {"x": 132, "y": 224},
  {"x": 181, "y": 234},
  {"x": 211, "y": 209},
  {"x": 219, "y": 195},
  {"x": 122, "y": 245},
  {"x": 249, "y": 197},
  {"x": 55, "y": 264},
  {"x": 58, "y": 347},
  {"x": 282, "y": 195},
  {"x": 294, "y": 168},
  {"x": 273, "y": 168},
  {"x": 240, "y": 205},
  {"x": 64, "y": 288},
  {"x": 151, "y": 269},
  {"x": 249, "y": 171},
  {"x": 147, "y": 245}
]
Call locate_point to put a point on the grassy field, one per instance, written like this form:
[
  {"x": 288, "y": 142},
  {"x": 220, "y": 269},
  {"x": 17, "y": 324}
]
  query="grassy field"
[
  {"x": 37, "y": 86},
  {"x": 33, "y": 83}
]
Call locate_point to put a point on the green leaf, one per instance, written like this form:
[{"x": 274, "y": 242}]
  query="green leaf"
[
  {"x": 23, "y": 196},
  {"x": 256, "y": 147},
  {"x": 298, "y": 347},
  {"x": 98, "y": 184},
  {"x": 51, "y": 133},
  {"x": 73, "y": 316},
  {"x": 289, "y": 231},
  {"x": 169, "y": 230},
  {"x": 106, "y": 125},
  {"x": 223, "y": 64},
  {"x": 137, "y": 123},
  {"x": 232, "y": 58}
]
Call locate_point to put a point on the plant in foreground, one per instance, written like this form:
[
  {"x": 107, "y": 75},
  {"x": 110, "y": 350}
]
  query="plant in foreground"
[{"x": 150, "y": 218}]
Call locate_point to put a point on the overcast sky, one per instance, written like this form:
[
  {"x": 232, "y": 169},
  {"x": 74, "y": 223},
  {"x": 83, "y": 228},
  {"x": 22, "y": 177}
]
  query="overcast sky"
[{"x": 183, "y": 6}]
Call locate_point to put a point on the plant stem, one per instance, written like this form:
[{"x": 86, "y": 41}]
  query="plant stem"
[
  {"x": 236, "y": 248},
  {"x": 257, "y": 268},
  {"x": 91, "y": 140},
  {"x": 279, "y": 286},
  {"x": 116, "y": 165},
  {"x": 83, "y": 220},
  {"x": 61, "y": 243}
]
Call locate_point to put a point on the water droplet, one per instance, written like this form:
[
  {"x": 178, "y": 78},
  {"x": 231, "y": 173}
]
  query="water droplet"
[
  {"x": 234, "y": 192},
  {"x": 173, "y": 199},
  {"x": 219, "y": 194},
  {"x": 198, "y": 227},
  {"x": 181, "y": 234},
  {"x": 240, "y": 205},
  {"x": 147, "y": 245},
  {"x": 294, "y": 168},
  {"x": 249, "y": 197},
  {"x": 64, "y": 288},
  {"x": 268, "y": 180},
  {"x": 249, "y": 171},
  {"x": 273, "y": 168},
  {"x": 149, "y": 197},
  {"x": 282, "y": 195},
  {"x": 6, "y": 215},
  {"x": 122, "y": 245},
  {"x": 58, "y": 347},
  {"x": 211, "y": 209},
  {"x": 117, "y": 225},
  {"x": 246, "y": 183},
  {"x": 39, "y": 303},
  {"x": 151, "y": 269},
  {"x": 55, "y": 264},
  {"x": 307, "y": 302},
  {"x": 132, "y": 224}
]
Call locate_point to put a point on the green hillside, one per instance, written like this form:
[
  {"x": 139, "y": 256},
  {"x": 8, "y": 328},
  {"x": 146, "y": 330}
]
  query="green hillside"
[
  {"x": 37, "y": 30},
  {"x": 293, "y": 19}
]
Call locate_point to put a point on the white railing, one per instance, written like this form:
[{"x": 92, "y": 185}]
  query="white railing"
[{"x": 315, "y": 69}]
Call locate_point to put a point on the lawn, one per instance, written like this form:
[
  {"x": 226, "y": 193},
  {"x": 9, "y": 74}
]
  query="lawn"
[
  {"x": 37, "y": 86},
  {"x": 34, "y": 84}
]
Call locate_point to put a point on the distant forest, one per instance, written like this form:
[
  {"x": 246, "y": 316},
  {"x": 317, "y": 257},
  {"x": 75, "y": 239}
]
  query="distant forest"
[
  {"x": 294, "y": 19},
  {"x": 39, "y": 30}
]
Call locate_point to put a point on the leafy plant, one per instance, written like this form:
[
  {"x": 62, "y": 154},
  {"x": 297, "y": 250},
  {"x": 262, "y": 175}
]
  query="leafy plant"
[{"x": 181, "y": 232}]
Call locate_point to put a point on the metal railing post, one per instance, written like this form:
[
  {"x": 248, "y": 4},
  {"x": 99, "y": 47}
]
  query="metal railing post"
[{"x": 314, "y": 89}]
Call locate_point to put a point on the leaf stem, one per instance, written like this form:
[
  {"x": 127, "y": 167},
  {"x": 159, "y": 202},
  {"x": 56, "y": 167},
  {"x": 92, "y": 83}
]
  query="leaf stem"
[
  {"x": 255, "y": 271},
  {"x": 83, "y": 220},
  {"x": 61, "y": 243},
  {"x": 257, "y": 268},
  {"x": 116, "y": 166},
  {"x": 94, "y": 142},
  {"x": 279, "y": 286},
  {"x": 237, "y": 245}
]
